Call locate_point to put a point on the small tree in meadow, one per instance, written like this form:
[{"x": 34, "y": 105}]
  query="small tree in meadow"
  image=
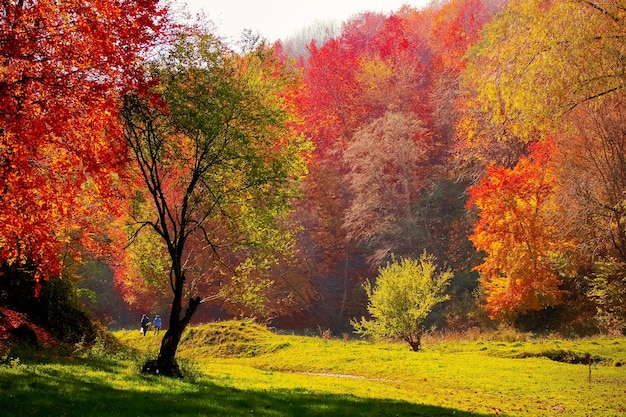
[{"x": 405, "y": 292}]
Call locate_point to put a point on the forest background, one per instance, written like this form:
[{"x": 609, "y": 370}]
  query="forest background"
[{"x": 489, "y": 134}]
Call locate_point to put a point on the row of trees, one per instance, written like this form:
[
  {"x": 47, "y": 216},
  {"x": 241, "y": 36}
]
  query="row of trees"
[
  {"x": 158, "y": 137},
  {"x": 380, "y": 105},
  {"x": 479, "y": 131},
  {"x": 488, "y": 133}
]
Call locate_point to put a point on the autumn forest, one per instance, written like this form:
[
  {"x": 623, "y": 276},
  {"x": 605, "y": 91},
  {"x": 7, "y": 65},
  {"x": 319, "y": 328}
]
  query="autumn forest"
[{"x": 146, "y": 166}]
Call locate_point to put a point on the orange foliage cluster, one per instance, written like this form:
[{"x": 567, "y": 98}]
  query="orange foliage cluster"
[
  {"x": 519, "y": 235},
  {"x": 62, "y": 69}
]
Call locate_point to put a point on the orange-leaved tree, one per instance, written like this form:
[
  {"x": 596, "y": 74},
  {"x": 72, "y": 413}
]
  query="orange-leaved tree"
[
  {"x": 62, "y": 67},
  {"x": 518, "y": 231}
]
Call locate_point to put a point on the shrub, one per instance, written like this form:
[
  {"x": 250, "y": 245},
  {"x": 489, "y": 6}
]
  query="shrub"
[{"x": 405, "y": 292}]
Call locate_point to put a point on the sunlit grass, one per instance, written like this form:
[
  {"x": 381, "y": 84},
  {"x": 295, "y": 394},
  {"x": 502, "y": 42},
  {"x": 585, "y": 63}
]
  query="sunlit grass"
[{"x": 242, "y": 369}]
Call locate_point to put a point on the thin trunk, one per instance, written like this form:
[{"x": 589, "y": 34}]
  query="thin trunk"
[{"x": 339, "y": 324}]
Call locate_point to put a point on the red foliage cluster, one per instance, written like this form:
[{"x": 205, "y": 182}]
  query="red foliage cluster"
[{"x": 63, "y": 66}]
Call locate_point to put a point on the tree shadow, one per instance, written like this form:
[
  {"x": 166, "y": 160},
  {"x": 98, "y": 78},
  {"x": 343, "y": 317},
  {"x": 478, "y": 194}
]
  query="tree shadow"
[{"x": 58, "y": 392}]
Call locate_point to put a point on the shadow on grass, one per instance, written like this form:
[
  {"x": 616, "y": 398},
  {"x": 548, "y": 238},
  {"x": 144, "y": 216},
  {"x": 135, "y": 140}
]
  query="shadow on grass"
[{"x": 60, "y": 392}]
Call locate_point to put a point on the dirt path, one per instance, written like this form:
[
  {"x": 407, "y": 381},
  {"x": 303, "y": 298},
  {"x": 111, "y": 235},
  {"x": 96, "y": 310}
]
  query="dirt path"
[{"x": 344, "y": 376}]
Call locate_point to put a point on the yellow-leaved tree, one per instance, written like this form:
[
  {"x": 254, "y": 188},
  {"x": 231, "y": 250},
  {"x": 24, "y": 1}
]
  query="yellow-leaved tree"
[{"x": 404, "y": 294}]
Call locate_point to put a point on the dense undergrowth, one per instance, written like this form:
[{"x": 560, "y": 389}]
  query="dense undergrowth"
[{"x": 240, "y": 368}]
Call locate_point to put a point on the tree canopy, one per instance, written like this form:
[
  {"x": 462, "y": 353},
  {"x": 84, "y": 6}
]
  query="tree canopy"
[
  {"x": 63, "y": 66},
  {"x": 217, "y": 167},
  {"x": 488, "y": 133}
]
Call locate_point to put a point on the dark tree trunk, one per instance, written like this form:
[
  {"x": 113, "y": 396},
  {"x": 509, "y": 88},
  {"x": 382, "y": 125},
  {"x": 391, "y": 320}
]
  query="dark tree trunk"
[
  {"x": 415, "y": 346},
  {"x": 166, "y": 364}
]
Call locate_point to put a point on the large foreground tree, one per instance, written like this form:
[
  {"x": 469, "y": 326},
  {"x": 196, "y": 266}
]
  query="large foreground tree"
[{"x": 218, "y": 159}]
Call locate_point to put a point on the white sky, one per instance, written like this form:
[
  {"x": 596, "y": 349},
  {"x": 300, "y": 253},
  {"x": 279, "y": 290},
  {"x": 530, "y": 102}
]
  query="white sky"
[{"x": 280, "y": 19}]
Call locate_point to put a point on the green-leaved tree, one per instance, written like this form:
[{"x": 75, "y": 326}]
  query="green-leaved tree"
[
  {"x": 405, "y": 292},
  {"x": 217, "y": 162}
]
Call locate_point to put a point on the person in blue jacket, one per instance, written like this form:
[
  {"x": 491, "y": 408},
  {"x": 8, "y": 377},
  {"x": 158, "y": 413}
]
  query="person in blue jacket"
[{"x": 157, "y": 324}]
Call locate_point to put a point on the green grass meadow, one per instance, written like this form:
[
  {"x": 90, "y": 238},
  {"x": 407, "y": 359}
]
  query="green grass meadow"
[{"x": 241, "y": 369}]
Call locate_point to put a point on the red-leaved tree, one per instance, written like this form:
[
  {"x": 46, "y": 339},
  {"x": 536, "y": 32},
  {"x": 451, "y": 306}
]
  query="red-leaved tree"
[{"x": 63, "y": 65}]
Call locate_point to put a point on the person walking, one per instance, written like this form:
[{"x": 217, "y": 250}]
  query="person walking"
[
  {"x": 157, "y": 324},
  {"x": 144, "y": 324}
]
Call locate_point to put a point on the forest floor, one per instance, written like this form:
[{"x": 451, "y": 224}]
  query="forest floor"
[{"x": 242, "y": 369}]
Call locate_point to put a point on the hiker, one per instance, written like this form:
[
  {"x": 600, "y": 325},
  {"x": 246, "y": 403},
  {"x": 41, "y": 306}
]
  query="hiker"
[
  {"x": 144, "y": 324},
  {"x": 157, "y": 324}
]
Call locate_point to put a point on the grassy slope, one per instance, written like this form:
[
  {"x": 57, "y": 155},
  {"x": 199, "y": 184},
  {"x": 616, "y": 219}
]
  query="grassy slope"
[{"x": 245, "y": 370}]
